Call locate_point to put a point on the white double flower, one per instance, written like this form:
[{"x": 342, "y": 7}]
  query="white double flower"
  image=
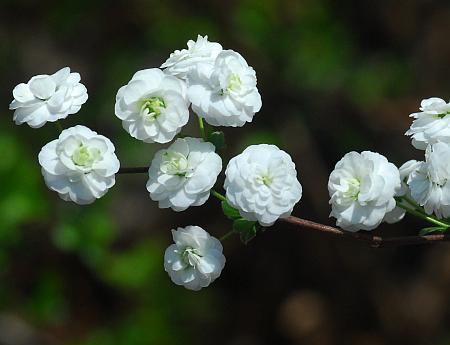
[
  {"x": 80, "y": 165},
  {"x": 362, "y": 188},
  {"x": 48, "y": 98},
  {"x": 195, "y": 260},
  {"x": 153, "y": 106},
  {"x": 262, "y": 184},
  {"x": 183, "y": 174}
]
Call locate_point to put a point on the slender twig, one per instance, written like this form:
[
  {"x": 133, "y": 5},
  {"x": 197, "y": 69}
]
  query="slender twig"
[
  {"x": 227, "y": 235},
  {"x": 218, "y": 195},
  {"x": 201, "y": 125},
  {"x": 133, "y": 170},
  {"x": 59, "y": 126},
  {"x": 412, "y": 207},
  {"x": 371, "y": 240}
]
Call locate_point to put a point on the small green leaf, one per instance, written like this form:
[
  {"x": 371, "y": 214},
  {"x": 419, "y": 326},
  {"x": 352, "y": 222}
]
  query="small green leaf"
[
  {"x": 246, "y": 229},
  {"x": 229, "y": 211},
  {"x": 430, "y": 230},
  {"x": 217, "y": 139}
]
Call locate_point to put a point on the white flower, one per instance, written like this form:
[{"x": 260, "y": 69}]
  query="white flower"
[
  {"x": 228, "y": 95},
  {"x": 262, "y": 184},
  {"x": 429, "y": 183},
  {"x": 200, "y": 54},
  {"x": 432, "y": 124},
  {"x": 79, "y": 165},
  {"x": 398, "y": 213},
  {"x": 362, "y": 187},
  {"x": 183, "y": 174},
  {"x": 195, "y": 260},
  {"x": 153, "y": 106},
  {"x": 48, "y": 98}
]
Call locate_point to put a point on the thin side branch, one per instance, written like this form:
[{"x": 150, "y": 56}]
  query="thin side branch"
[
  {"x": 371, "y": 240},
  {"x": 133, "y": 170}
]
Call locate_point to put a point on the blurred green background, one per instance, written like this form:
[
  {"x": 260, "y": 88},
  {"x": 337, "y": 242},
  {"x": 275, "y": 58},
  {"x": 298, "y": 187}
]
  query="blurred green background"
[{"x": 335, "y": 76}]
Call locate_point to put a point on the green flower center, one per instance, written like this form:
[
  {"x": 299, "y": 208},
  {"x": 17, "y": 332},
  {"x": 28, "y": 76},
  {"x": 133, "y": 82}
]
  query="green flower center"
[
  {"x": 151, "y": 108},
  {"x": 190, "y": 256},
  {"x": 85, "y": 156},
  {"x": 234, "y": 82},
  {"x": 265, "y": 180},
  {"x": 353, "y": 187},
  {"x": 174, "y": 163}
]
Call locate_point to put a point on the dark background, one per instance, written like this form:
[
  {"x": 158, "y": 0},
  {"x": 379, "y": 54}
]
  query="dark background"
[{"x": 335, "y": 76}]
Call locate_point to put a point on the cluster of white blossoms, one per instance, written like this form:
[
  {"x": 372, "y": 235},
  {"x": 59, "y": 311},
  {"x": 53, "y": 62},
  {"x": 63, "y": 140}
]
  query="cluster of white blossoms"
[
  {"x": 154, "y": 105},
  {"x": 220, "y": 84},
  {"x": 428, "y": 181},
  {"x": 80, "y": 165},
  {"x": 366, "y": 189},
  {"x": 261, "y": 183},
  {"x": 221, "y": 88}
]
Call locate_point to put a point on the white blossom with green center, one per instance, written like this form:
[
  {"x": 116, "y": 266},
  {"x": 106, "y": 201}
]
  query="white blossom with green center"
[
  {"x": 195, "y": 260},
  {"x": 80, "y": 165},
  {"x": 183, "y": 174},
  {"x": 153, "y": 106},
  {"x": 86, "y": 156},
  {"x": 352, "y": 188},
  {"x": 174, "y": 163},
  {"x": 48, "y": 98},
  {"x": 262, "y": 184},
  {"x": 431, "y": 124},
  {"x": 225, "y": 95},
  {"x": 362, "y": 188}
]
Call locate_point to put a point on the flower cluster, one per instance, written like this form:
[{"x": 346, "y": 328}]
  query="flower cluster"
[
  {"x": 80, "y": 165},
  {"x": 427, "y": 181},
  {"x": 260, "y": 184},
  {"x": 220, "y": 84},
  {"x": 366, "y": 189}
]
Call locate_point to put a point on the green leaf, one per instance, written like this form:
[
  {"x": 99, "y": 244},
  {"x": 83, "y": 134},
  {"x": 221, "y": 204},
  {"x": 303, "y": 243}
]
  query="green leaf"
[
  {"x": 247, "y": 230},
  {"x": 217, "y": 139},
  {"x": 430, "y": 230},
  {"x": 229, "y": 211}
]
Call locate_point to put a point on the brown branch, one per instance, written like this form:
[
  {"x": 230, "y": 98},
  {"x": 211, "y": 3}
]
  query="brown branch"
[
  {"x": 371, "y": 240},
  {"x": 133, "y": 170}
]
